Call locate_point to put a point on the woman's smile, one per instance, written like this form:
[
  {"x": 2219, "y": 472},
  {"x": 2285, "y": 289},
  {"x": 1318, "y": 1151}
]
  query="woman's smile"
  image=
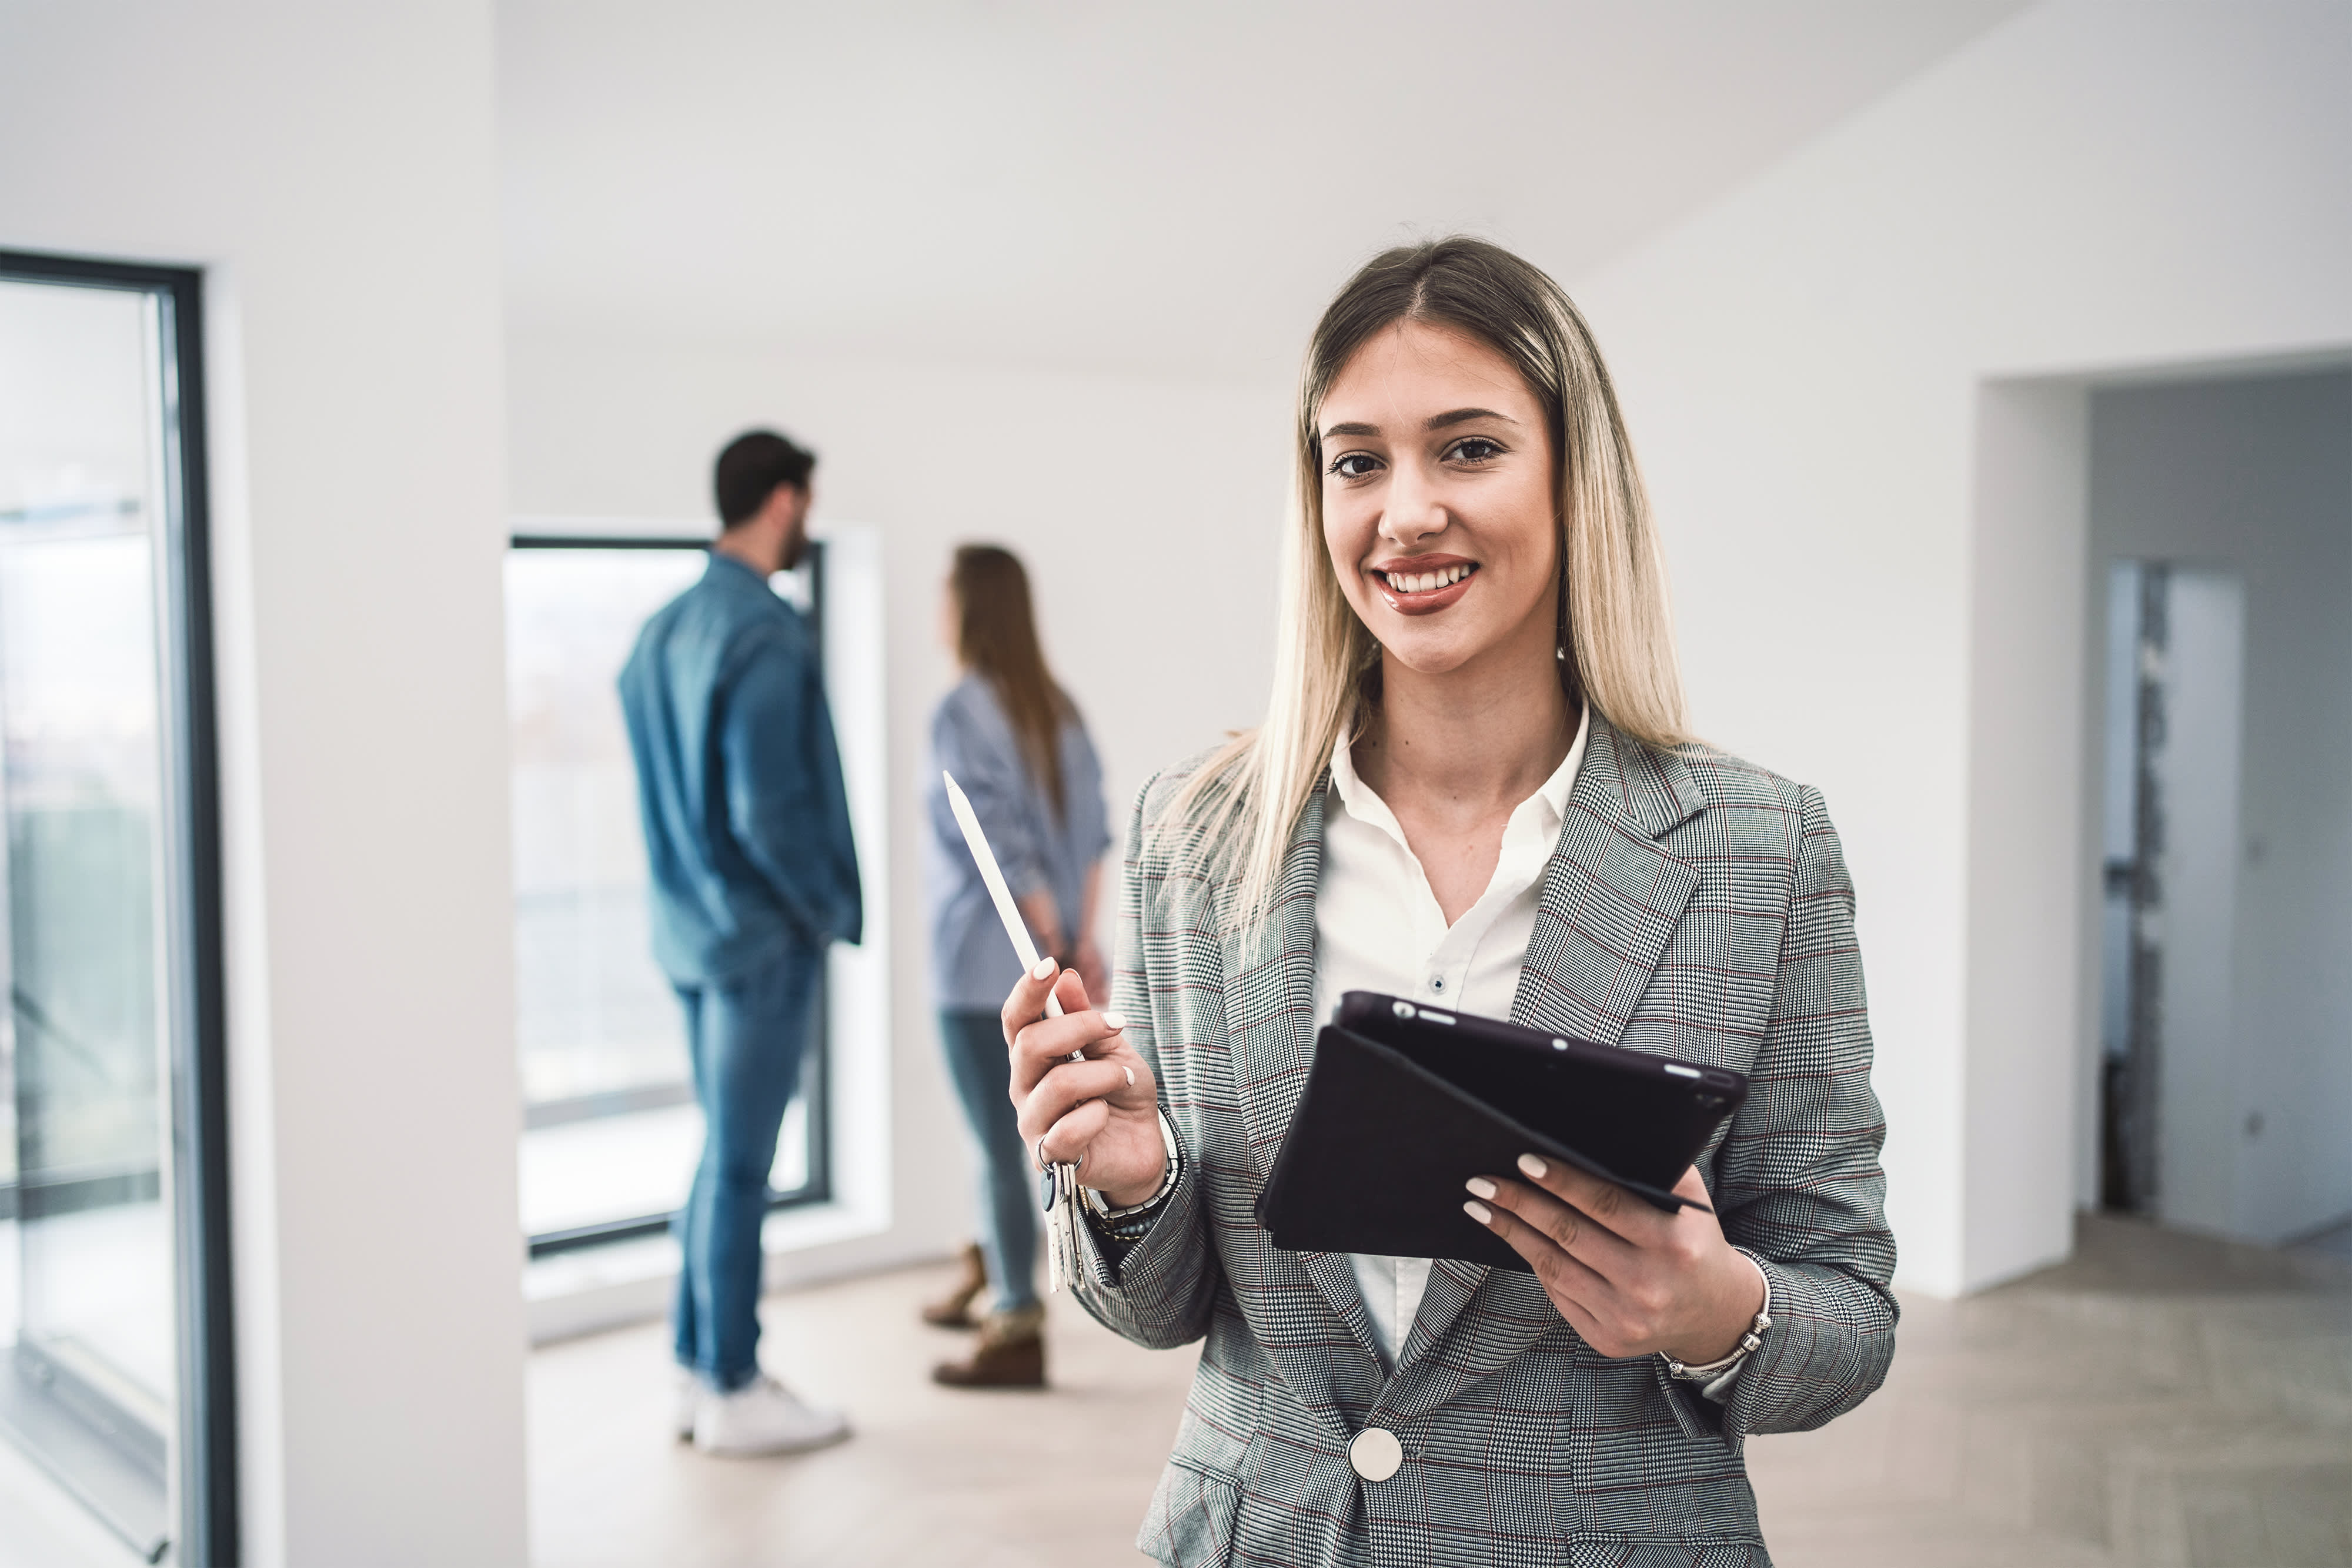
[{"x": 1424, "y": 585}]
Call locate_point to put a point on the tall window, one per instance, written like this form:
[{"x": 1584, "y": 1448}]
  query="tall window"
[
  {"x": 611, "y": 1131},
  {"x": 113, "y": 1283}
]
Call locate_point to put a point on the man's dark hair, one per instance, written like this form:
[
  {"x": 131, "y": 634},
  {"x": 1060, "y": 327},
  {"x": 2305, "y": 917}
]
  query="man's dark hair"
[{"x": 751, "y": 468}]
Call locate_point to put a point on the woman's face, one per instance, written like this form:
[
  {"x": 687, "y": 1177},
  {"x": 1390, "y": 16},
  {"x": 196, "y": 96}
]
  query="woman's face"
[{"x": 1438, "y": 505}]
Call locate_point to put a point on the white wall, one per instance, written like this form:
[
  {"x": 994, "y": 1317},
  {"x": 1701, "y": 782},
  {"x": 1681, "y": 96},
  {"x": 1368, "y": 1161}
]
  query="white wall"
[
  {"x": 333, "y": 169},
  {"x": 2251, "y": 478},
  {"x": 1134, "y": 503},
  {"x": 2018, "y": 1082},
  {"x": 2089, "y": 186}
]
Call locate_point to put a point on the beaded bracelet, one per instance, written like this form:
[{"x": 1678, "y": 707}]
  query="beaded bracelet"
[{"x": 1716, "y": 1376}]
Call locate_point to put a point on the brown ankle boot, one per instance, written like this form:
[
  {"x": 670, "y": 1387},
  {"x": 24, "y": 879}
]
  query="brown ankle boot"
[
  {"x": 953, "y": 1310},
  {"x": 1011, "y": 1355}
]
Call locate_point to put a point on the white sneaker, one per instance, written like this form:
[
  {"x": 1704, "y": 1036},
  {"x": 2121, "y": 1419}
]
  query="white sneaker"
[
  {"x": 762, "y": 1417},
  {"x": 685, "y": 1394}
]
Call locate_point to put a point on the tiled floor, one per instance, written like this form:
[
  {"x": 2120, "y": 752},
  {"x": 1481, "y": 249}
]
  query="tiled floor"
[{"x": 2160, "y": 1400}]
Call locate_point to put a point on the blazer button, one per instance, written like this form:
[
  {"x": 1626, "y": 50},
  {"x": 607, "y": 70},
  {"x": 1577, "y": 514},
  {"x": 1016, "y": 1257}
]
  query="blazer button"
[{"x": 1376, "y": 1454}]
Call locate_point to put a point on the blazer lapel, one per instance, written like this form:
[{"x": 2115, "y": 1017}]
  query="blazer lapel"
[
  {"x": 1613, "y": 894},
  {"x": 1610, "y": 899},
  {"x": 1270, "y": 1021},
  {"x": 1270, "y": 993}
]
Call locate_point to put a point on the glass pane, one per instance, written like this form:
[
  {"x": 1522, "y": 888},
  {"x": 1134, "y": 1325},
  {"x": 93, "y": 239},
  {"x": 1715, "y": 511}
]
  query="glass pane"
[
  {"x": 86, "y": 1036},
  {"x": 610, "y": 1130},
  {"x": 596, "y": 1017}
]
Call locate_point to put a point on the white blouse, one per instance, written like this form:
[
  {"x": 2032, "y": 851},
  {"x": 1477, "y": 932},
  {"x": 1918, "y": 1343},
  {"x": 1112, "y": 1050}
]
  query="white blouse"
[{"x": 1378, "y": 929}]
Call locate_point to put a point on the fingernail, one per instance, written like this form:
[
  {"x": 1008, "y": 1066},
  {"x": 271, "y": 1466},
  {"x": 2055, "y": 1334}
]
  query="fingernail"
[
  {"x": 1117, "y": 1021},
  {"x": 1480, "y": 1186},
  {"x": 1131, "y": 1076},
  {"x": 1043, "y": 971},
  {"x": 1534, "y": 1167},
  {"x": 1479, "y": 1212}
]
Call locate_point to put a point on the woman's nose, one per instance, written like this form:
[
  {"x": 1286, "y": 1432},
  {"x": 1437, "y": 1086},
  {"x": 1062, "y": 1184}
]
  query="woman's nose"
[{"x": 1413, "y": 511}]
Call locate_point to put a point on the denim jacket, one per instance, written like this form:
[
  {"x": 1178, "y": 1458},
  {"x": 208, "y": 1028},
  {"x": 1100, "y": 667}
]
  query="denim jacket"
[{"x": 739, "y": 782}]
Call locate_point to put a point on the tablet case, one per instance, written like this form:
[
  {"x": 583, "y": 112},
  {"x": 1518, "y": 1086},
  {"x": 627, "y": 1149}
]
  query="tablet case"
[{"x": 1406, "y": 1101}]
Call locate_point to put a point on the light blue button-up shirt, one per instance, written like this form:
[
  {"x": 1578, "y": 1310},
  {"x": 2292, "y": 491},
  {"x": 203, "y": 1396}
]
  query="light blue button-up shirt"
[
  {"x": 972, "y": 964},
  {"x": 739, "y": 781}
]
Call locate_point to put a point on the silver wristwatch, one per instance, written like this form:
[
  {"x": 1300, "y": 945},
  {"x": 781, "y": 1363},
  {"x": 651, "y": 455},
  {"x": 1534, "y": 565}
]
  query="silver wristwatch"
[{"x": 1104, "y": 1211}]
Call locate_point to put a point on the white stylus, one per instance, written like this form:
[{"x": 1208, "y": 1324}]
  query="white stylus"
[
  {"x": 1006, "y": 910},
  {"x": 1062, "y": 1265}
]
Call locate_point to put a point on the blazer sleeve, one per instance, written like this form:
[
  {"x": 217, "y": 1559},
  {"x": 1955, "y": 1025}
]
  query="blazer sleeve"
[
  {"x": 1158, "y": 1291},
  {"x": 1798, "y": 1179}
]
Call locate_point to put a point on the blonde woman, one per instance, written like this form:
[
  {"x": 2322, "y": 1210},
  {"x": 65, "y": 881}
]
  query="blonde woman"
[{"x": 1473, "y": 787}]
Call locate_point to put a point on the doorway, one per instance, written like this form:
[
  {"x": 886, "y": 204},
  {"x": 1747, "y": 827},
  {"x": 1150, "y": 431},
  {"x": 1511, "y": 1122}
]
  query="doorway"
[{"x": 2220, "y": 550}]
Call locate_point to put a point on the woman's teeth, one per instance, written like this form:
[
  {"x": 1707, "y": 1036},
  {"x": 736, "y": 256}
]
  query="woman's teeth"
[{"x": 1424, "y": 582}]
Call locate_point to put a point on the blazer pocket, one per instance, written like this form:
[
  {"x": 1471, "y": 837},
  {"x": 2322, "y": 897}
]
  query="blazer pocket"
[{"x": 1191, "y": 1522}]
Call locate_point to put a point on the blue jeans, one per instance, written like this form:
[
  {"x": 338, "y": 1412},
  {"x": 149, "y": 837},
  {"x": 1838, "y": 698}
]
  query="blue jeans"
[
  {"x": 745, "y": 1037},
  {"x": 983, "y": 1081}
]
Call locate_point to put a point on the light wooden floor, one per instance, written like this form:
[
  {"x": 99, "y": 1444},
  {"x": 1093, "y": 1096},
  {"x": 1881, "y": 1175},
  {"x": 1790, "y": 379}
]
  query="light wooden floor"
[
  {"x": 2160, "y": 1400},
  {"x": 934, "y": 1478}
]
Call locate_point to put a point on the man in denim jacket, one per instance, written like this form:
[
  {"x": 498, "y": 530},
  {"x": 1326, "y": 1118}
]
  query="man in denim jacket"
[{"x": 753, "y": 875}]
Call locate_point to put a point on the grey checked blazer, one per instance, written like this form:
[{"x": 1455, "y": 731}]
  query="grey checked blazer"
[{"x": 1696, "y": 906}]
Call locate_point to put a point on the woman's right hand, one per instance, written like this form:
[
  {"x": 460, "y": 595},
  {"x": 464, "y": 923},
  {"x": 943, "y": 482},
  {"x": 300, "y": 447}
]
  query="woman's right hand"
[{"x": 1101, "y": 1114}]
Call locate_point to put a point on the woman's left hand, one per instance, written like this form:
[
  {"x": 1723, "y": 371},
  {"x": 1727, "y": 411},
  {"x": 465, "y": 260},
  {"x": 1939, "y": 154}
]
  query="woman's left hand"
[{"x": 1632, "y": 1279}]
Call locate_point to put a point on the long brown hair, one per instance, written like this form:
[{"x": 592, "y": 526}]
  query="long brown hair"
[
  {"x": 1616, "y": 635},
  {"x": 996, "y": 636}
]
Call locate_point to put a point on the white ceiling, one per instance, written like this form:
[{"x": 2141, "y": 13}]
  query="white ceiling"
[{"x": 1164, "y": 191}]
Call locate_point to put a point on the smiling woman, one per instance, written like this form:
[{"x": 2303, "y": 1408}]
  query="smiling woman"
[{"x": 1473, "y": 789}]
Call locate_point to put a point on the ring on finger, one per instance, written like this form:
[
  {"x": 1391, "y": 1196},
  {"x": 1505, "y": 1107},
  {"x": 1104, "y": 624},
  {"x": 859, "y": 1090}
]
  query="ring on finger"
[{"x": 1044, "y": 1164}]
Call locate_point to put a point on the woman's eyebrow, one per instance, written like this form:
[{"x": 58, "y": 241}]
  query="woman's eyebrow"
[
  {"x": 1461, "y": 416},
  {"x": 1435, "y": 422}
]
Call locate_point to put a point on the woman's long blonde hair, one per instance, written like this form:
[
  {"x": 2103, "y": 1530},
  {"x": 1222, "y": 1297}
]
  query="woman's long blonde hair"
[{"x": 1616, "y": 634}]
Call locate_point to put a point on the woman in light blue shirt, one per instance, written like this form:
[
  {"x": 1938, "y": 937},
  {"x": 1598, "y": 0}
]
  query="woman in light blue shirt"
[{"x": 1016, "y": 745}]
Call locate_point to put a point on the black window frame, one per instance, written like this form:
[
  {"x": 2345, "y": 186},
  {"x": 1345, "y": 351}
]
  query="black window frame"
[
  {"x": 205, "y": 1406},
  {"x": 816, "y": 1071}
]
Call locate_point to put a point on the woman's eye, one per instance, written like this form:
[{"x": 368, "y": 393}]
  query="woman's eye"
[
  {"x": 1354, "y": 465},
  {"x": 1475, "y": 449}
]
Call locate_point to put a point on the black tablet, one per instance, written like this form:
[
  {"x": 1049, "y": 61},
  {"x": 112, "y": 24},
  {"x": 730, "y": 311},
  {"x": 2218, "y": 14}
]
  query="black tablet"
[{"x": 1406, "y": 1101}]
